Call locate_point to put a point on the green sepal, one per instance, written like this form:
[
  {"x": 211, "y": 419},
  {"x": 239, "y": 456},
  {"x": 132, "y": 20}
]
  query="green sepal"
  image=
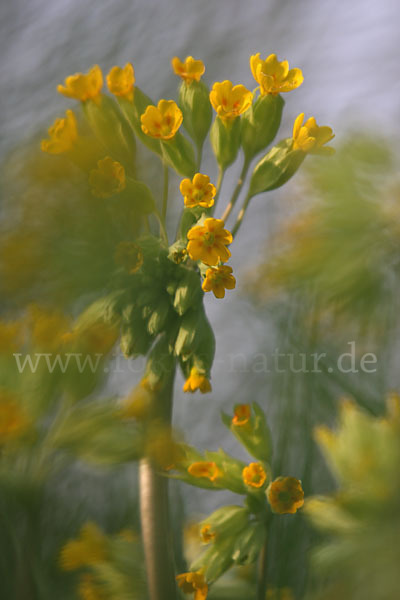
[
  {"x": 159, "y": 316},
  {"x": 195, "y": 105},
  {"x": 255, "y": 435},
  {"x": 248, "y": 544},
  {"x": 275, "y": 168},
  {"x": 225, "y": 141},
  {"x": 179, "y": 154},
  {"x": 133, "y": 110},
  {"x": 260, "y": 124},
  {"x": 135, "y": 338},
  {"x": 160, "y": 362},
  {"x": 188, "y": 291}
]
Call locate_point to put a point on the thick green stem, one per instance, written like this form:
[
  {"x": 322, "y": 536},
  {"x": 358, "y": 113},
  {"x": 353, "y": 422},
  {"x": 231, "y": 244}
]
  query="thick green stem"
[
  {"x": 154, "y": 511},
  {"x": 237, "y": 189}
]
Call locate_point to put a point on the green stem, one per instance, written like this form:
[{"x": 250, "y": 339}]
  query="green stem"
[
  {"x": 154, "y": 511},
  {"x": 221, "y": 173},
  {"x": 165, "y": 193},
  {"x": 241, "y": 215},
  {"x": 237, "y": 189},
  {"x": 161, "y": 222}
]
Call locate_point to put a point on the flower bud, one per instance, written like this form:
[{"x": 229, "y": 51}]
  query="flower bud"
[{"x": 260, "y": 124}]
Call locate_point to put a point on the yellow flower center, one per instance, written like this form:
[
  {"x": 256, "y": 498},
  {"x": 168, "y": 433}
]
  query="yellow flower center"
[{"x": 209, "y": 238}]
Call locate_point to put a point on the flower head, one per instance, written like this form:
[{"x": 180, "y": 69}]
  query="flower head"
[
  {"x": 198, "y": 191},
  {"x": 254, "y": 475},
  {"x": 310, "y": 137},
  {"x": 208, "y": 470},
  {"x": 13, "y": 420},
  {"x": 129, "y": 256},
  {"x": 230, "y": 101},
  {"x": 108, "y": 179},
  {"x": 190, "y": 70},
  {"x": 242, "y": 414},
  {"x": 207, "y": 534},
  {"x": 83, "y": 86},
  {"x": 193, "y": 583},
  {"x": 162, "y": 121},
  {"x": 197, "y": 381},
  {"x": 208, "y": 242},
  {"x": 120, "y": 81},
  {"x": 88, "y": 549},
  {"x": 285, "y": 495},
  {"x": 219, "y": 279},
  {"x": 274, "y": 77},
  {"x": 63, "y": 135}
]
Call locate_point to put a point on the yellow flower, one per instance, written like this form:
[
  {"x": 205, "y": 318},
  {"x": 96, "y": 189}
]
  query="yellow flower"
[
  {"x": 273, "y": 76},
  {"x": 209, "y": 470},
  {"x": 254, "y": 475},
  {"x": 219, "y": 279},
  {"x": 242, "y": 414},
  {"x": 197, "y": 381},
  {"x": 88, "y": 589},
  {"x": 63, "y": 135},
  {"x": 190, "y": 70},
  {"x": 198, "y": 191},
  {"x": 83, "y": 86},
  {"x": 88, "y": 549},
  {"x": 193, "y": 583},
  {"x": 310, "y": 137},
  {"x": 162, "y": 121},
  {"x": 108, "y": 179},
  {"x": 129, "y": 256},
  {"x": 285, "y": 495},
  {"x": 120, "y": 81},
  {"x": 208, "y": 242},
  {"x": 206, "y": 534},
  {"x": 13, "y": 421},
  {"x": 230, "y": 101}
]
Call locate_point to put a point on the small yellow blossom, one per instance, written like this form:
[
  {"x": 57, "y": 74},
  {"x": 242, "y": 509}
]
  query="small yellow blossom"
[
  {"x": 208, "y": 242},
  {"x": 285, "y": 495},
  {"x": 274, "y": 77},
  {"x": 83, "y": 86},
  {"x": 88, "y": 589},
  {"x": 193, "y": 583},
  {"x": 254, "y": 475},
  {"x": 120, "y": 81},
  {"x": 162, "y": 121},
  {"x": 197, "y": 381},
  {"x": 206, "y": 534},
  {"x": 129, "y": 256},
  {"x": 219, "y": 279},
  {"x": 230, "y": 101},
  {"x": 108, "y": 179},
  {"x": 13, "y": 420},
  {"x": 89, "y": 548},
  {"x": 310, "y": 137},
  {"x": 242, "y": 414},
  {"x": 190, "y": 70},
  {"x": 198, "y": 191},
  {"x": 209, "y": 470},
  {"x": 63, "y": 135}
]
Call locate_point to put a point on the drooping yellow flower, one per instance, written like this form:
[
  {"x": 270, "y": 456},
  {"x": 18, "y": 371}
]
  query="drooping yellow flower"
[
  {"x": 274, "y": 77},
  {"x": 190, "y": 70},
  {"x": 63, "y": 135},
  {"x": 219, "y": 279},
  {"x": 285, "y": 495},
  {"x": 209, "y": 470},
  {"x": 13, "y": 420},
  {"x": 129, "y": 256},
  {"x": 193, "y": 583},
  {"x": 162, "y": 121},
  {"x": 311, "y": 138},
  {"x": 254, "y": 475},
  {"x": 208, "y": 242},
  {"x": 108, "y": 179},
  {"x": 230, "y": 101},
  {"x": 197, "y": 381},
  {"x": 198, "y": 191},
  {"x": 206, "y": 534},
  {"x": 120, "y": 81},
  {"x": 88, "y": 589},
  {"x": 83, "y": 86},
  {"x": 89, "y": 548},
  {"x": 241, "y": 415}
]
